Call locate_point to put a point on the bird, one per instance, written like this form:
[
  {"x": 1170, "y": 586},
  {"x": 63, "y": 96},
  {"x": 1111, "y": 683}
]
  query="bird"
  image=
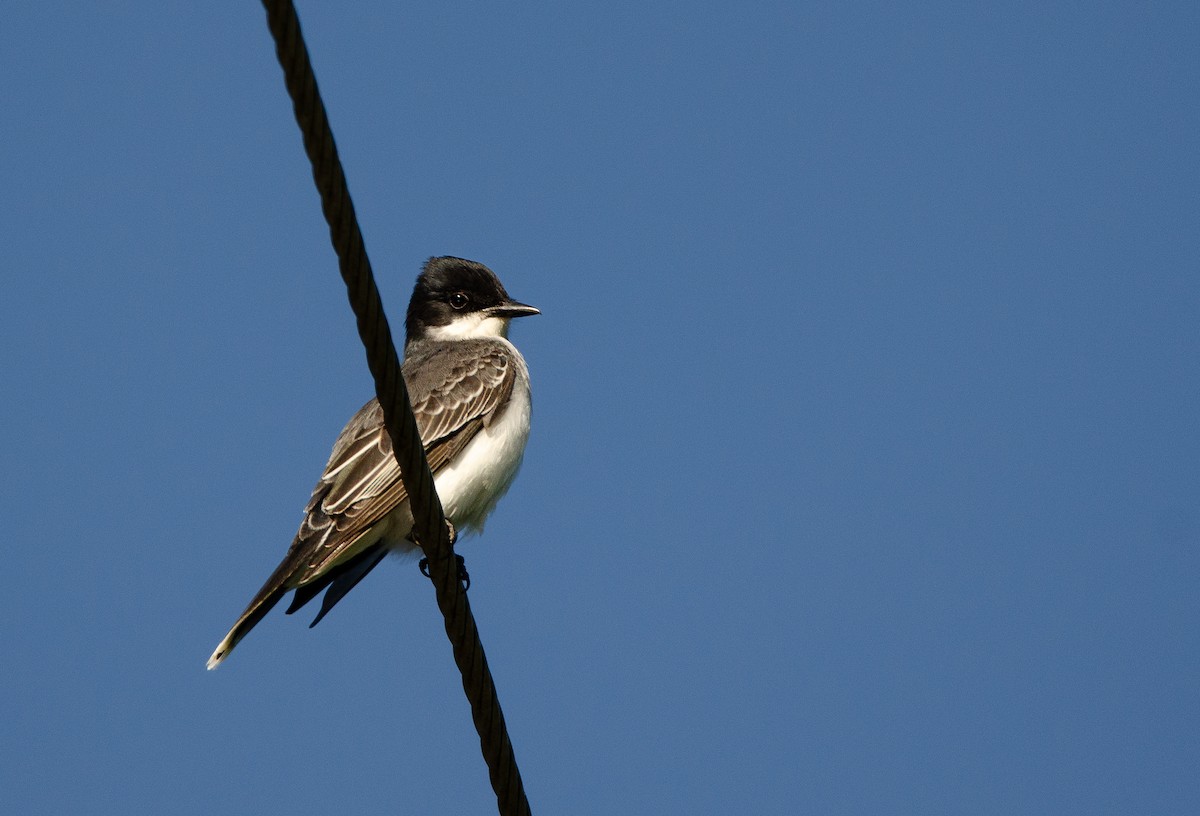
[{"x": 469, "y": 389}]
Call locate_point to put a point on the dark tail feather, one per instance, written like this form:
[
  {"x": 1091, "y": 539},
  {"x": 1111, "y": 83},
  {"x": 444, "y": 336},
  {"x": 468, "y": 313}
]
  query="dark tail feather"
[
  {"x": 340, "y": 580},
  {"x": 274, "y": 589},
  {"x": 245, "y": 623}
]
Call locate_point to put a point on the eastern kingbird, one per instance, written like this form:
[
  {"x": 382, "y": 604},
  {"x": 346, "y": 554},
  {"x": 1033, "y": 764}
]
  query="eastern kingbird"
[{"x": 469, "y": 389}]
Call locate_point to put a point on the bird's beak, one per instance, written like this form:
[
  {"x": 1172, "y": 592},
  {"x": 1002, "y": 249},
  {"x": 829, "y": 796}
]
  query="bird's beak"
[{"x": 511, "y": 308}]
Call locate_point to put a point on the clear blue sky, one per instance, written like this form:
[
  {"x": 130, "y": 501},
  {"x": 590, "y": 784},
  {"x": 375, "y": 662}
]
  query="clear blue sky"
[{"x": 865, "y": 464}]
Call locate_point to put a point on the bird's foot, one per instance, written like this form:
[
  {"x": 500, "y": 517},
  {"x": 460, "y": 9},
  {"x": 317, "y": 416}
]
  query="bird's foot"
[{"x": 463, "y": 576}]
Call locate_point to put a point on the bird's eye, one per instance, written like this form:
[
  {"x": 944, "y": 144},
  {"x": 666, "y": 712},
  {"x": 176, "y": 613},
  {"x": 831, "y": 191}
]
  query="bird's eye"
[{"x": 459, "y": 301}]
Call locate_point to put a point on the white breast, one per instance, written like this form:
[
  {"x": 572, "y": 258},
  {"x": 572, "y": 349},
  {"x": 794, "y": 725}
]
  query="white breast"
[{"x": 481, "y": 474}]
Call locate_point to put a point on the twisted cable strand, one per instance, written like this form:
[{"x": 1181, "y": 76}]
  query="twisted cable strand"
[{"x": 429, "y": 523}]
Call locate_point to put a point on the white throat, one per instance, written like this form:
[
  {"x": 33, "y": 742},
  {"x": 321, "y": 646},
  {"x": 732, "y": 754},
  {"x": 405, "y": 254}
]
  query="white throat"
[{"x": 470, "y": 325}]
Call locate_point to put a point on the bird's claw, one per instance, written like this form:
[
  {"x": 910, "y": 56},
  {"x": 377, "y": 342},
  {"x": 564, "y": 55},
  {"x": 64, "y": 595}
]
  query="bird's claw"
[{"x": 463, "y": 576}]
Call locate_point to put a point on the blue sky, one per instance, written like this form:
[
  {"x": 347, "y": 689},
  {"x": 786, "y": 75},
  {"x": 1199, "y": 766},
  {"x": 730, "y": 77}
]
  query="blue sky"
[{"x": 864, "y": 469}]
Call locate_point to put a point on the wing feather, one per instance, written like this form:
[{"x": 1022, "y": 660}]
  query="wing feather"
[
  {"x": 453, "y": 399},
  {"x": 456, "y": 391}
]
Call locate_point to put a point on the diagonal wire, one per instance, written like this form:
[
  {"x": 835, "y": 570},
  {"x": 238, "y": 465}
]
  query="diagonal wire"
[{"x": 429, "y": 523}]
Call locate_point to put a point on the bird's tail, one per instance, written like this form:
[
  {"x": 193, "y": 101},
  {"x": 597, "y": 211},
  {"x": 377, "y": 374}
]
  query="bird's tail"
[{"x": 274, "y": 589}]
